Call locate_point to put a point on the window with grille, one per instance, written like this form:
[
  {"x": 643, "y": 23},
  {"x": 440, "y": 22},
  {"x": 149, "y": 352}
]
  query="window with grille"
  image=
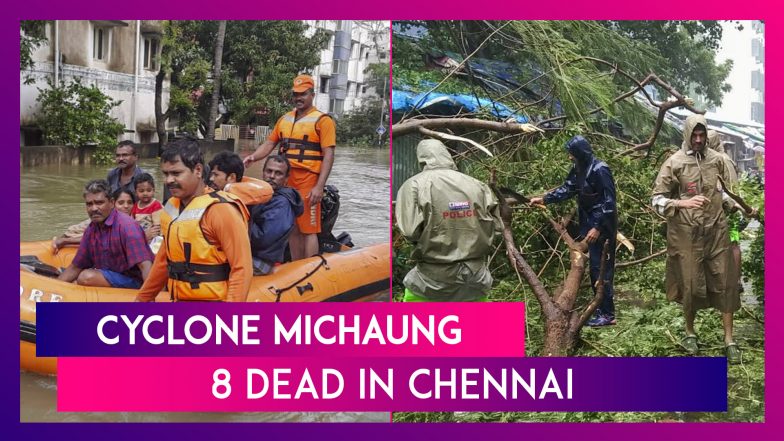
[
  {"x": 758, "y": 112},
  {"x": 758, "y": 50},
  {"x": 150, "y": 53},
  {"x": 758, "y": 81},
  {"x": 101, "y": 43},
  {"x": 336, "y": 106},
  {"x": 339, "y": 66}
]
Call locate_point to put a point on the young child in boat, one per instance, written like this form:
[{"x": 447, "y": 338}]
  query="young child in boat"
[{"x": 147, "y": 209}]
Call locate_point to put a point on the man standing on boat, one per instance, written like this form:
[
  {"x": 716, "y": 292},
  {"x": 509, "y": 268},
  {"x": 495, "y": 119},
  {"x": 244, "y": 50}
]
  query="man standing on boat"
[
  {"x": 451, "y": 219},
  {"x": 306, "y": 137},
  {"x": 205, "y": 252},
  {"x": 127, "y": 260}
]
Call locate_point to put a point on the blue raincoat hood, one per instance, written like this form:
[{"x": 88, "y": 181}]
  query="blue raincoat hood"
[{"x": 581, "y": 149}]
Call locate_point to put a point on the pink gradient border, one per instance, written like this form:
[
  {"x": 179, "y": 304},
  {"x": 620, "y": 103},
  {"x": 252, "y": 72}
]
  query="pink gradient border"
[
  {"x": 69, "y": 329},
  {"x": 391, "y": 167},
  {"x": 669, "y": 10}
]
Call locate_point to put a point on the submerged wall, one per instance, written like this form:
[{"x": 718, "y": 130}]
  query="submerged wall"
[{"x": 31, "y": 156}]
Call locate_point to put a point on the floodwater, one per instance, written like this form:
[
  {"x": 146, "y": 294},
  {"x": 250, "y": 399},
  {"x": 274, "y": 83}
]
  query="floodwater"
[
  {"x": 51, "y": 200},
  {"x": 51, "y": 195}
]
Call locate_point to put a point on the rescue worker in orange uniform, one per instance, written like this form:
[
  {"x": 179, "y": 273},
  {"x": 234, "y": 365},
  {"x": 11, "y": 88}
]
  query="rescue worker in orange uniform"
[
  {"x": 205, "y": 253},
  {"x": 306, "y": 137}
]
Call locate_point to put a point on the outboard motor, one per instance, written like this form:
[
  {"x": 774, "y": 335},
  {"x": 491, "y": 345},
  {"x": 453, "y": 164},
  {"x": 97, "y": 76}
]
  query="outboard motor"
[{"x": 330, "y": 207}]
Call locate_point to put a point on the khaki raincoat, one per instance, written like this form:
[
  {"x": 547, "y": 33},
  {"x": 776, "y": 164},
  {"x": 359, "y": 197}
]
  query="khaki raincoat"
[
  {"x": 451, "y": 219},
  {"x": 697, "y": 239},
  {"x": 714, "y": 143},
  {"x": 734, "y": 219}
]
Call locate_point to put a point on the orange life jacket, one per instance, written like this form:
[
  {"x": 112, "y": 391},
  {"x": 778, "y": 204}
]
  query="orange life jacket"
[
  {"x": 251, "y": 191},
  {"x": 300, "y": 141},
  {"x": 198, "y": 270}
]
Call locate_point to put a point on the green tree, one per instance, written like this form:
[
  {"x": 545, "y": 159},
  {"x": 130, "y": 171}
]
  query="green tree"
[
  {"x": 76, "y": 115},
  {"x": 182, "y": 58},
  {"x": 216, "y": 78},
  {"x": 32, "y": 34},
  {"x": 377, "y": 77},
  {"x": 547, "y": 59},
  {"x": 260, "y": 58},
  {"x": 358, "y": 127},
  {"x": 683, "y": 52},
  {"x": 689, "y": 48}
]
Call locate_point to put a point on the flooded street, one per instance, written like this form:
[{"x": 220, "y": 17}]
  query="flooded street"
[
  {"x": 51, "y": 195},
  {"x": 51, "y": 200}
]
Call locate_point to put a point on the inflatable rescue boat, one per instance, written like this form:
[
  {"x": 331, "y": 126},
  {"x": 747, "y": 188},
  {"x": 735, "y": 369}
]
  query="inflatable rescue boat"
[{"x": 355, "y": 274}]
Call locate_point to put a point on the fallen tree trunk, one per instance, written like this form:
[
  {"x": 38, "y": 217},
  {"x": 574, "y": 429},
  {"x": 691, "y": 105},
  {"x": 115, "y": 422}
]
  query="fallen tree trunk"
[
  {"x": 413, "y": 125},
  {"x": 562, "y": 321},
  {"x": 427, "y": 126}
]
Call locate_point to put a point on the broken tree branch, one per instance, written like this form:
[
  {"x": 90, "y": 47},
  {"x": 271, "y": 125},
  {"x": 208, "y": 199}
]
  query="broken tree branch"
[
  {"x": 639, "y": 261},
  {"x": 663, "y": 109},
  {"x": 447, "y": 137},
  {"x": 412, "y": 125},
  {"x": 516, "y": 258},
  {"x": 750, "y": 212}
]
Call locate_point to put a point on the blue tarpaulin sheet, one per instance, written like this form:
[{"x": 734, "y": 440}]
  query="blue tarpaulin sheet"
[{"x": 450, "y": 104}]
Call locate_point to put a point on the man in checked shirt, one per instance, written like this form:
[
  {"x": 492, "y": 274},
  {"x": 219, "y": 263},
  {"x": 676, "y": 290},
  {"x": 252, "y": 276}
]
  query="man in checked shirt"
[{"x": 113, "y": 251}]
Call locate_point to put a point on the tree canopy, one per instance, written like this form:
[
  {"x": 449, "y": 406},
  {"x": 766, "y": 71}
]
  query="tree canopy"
[
  {"x": 77, "y": 115},
  {"x": 578, "y": 77},
  {"x": 689, "y": 48},
  {"x": 32, "y": 34},
  {"x": 550, "y": 57},
  {"x": 260, "y": 58}
]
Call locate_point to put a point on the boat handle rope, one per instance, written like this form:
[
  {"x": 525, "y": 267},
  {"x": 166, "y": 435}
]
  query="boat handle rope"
[{"x": 280, "y": 291}]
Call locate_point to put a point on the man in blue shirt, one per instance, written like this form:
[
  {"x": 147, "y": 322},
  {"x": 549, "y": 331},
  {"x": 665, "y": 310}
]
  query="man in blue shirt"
[
  {"x": 126, "y": 172},
  {"x": 273, "y": 222}
]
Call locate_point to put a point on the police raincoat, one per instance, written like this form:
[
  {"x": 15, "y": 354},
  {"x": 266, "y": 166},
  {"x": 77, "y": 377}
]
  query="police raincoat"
[
  {"x": 697, "y": 238},
  {"x": 451, "y": 219}
]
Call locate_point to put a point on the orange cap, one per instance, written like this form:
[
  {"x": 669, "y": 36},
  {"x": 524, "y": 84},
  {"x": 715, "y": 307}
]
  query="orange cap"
[{"x": 302, "y": 83}]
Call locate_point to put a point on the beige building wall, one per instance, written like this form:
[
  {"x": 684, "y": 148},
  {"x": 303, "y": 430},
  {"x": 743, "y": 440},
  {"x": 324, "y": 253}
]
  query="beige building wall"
[{"x": 113, "y": 72}]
